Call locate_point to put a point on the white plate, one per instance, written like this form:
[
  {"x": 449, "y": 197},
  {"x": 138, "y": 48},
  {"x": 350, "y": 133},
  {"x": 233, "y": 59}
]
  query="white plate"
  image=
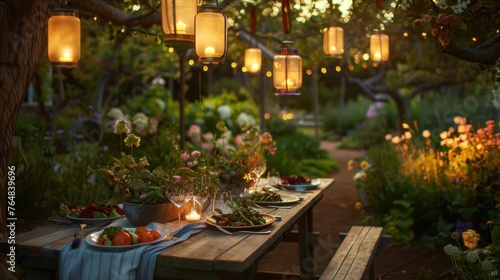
[
  {"x": 269, "y": 220},
  {"x": 285, "y": 199},
  {"x": 91, "y": 239},
  {"x": 302, "y": 187},
  {"x": 92, "y": 221}
]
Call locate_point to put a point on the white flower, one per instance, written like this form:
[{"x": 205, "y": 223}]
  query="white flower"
[
  {"x": 224, "y": 112},
  {"x": 245, "y": 118}
]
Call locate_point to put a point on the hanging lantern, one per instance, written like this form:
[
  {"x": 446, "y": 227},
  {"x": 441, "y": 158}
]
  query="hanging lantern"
[
  {"x": 287, "y": 71},
  {"x": 379, "y": 47},
  {"x": 253, "y": 59},
  {"x": 64, "y": 38},
  {"x": 333, "y": 41},
  {"x": 210, "y": 34},
  {"x": 178, "y": 19}
]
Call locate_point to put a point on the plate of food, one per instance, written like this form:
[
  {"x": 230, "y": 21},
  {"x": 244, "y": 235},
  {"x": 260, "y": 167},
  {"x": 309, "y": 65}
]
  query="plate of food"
[
  {"x": 93, "y": 214},
  {"x": 271, "y": 197},
  {"x": 232, "y": 222},
  {"x": 298, "y": 183},
  {"x": 117, "y": 238}
]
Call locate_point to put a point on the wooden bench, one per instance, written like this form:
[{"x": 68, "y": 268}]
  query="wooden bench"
[{"x": 356, "y": 254}]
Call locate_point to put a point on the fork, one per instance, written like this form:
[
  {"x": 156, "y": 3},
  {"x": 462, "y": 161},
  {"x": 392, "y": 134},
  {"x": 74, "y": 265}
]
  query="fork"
[{"x": 242, "y": 231}]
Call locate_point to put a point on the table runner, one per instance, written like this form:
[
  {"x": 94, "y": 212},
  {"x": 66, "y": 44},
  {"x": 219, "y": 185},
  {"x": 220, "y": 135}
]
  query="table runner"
[{"x": 87, "y": 262}]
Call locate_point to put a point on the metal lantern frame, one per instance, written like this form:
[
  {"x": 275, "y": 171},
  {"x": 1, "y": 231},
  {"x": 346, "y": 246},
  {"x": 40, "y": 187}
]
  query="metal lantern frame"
[
  {"x": 64, "y": 38},
  {"x": 210, "y": 34}
]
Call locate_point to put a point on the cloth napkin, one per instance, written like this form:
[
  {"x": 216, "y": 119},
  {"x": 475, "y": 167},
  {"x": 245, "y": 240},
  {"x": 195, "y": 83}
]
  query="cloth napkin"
[{"x": 88, "y": 262}]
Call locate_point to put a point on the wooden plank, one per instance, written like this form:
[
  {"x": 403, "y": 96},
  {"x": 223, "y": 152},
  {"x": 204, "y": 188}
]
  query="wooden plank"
[{"x": 355, "y": 254}]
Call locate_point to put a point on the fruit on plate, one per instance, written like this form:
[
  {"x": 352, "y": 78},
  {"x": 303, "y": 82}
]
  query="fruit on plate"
[
  {"x": 118, "y": 236},
  {"x": 295, "y": 180},
  {"x": 92, "y": 211}
]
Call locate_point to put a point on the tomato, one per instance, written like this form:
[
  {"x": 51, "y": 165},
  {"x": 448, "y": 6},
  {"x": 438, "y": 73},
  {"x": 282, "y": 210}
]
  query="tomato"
[
  {"x": 145, "y": 237},
  {"x": 155, "y": 234},
  {"x": 122, "y": 238},
  {"x": 224, "y": 221},
  {"x": 100, "y": 239},
  {"x": 141, "y": 229},
  {"x": 233, "y": 219},
  {"x": 237, "y": 224}
]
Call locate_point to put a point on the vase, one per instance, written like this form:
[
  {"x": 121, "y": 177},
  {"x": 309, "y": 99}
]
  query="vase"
[{"x": 143, "y": 214}]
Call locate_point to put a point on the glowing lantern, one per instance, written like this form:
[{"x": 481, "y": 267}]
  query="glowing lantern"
[
  {"x": 333, "y": 41},
  {"x": 64, "y": 38},
  {"x": 379, "y": 47},
  {"x": 287, "y": 71},
  {"x": 178, "y": 19},
  {"x": 210, "y": 34},
  {"x": 253, "y": 59}
]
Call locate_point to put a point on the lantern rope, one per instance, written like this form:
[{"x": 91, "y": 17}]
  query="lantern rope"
[{"x": 286, "y": 15}]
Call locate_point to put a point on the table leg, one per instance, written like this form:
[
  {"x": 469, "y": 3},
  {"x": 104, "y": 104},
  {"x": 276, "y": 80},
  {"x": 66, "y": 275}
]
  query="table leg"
[{"x": 305, "y": 254}]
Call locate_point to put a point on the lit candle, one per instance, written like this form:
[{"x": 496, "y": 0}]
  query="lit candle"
[
  {"x": 288, "y": 84},
  {"x": 66, "y": 56},
  {"x": 255, "y": 67},
  {"x": 193, "y": 216},
  {"x": 209, "y": 52},
  {"x": 181, "y": 27},
  {"x": 378, "y": 56}
]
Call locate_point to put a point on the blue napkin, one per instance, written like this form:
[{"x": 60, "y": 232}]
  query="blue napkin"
[{"x": 87, "y": 262}]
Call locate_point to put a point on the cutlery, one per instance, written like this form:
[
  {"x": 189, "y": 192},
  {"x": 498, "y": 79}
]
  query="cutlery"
[
  {"x": 242, "y": 231},
  {"x": 62, "y": 221},
  {"x": 278, "y": 207}
]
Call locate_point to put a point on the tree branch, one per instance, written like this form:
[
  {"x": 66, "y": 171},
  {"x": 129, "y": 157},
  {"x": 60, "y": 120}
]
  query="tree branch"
[
  {"x": 116, "y": 15},
  {"x": 487, "y": 53}
]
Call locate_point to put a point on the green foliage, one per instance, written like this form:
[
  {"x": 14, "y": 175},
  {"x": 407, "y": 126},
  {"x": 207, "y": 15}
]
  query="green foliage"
[
  {"x": 338, "y": 122},
  {"x": 300, "y": 154}
]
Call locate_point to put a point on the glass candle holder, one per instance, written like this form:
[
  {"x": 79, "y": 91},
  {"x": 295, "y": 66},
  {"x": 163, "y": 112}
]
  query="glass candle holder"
[{"x": 193, "y": 212}]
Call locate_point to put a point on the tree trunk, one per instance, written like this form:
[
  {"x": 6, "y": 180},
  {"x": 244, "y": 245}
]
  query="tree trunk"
[{"x": 23, "y": 37}]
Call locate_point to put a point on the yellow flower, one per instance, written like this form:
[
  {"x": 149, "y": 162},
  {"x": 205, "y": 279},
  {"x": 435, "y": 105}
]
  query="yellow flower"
[
  {"x": 406, "y": 126},
  {"x": 349, "y": 165},
  {"x": 426, "y": 133},
  {"x": 364, "y": 165},
  {"x": 471, "y": 238}
]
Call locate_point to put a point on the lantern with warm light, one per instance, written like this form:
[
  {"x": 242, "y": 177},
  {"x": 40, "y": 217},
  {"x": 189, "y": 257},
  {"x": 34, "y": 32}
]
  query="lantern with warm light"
[
  {"x": 178, "y": 19},
  {"x": 253, "y": 60},
  {"x": 379, "y": 47},
  {"x": 333, "y": 41},
  {"x": 64, "y": 38},
  {"x": 287, "y": 71},
  {"x": 210, "y": 34}
]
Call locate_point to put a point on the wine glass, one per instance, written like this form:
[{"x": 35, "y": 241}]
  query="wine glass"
[
  {"x": 201, "y": 191},
  {"x": 258, "y": 169},
  {"x": 179, "y": 191}
]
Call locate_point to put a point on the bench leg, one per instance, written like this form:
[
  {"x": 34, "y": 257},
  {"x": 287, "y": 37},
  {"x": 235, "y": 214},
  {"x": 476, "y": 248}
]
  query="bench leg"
[{"x": 306, "y": 268}]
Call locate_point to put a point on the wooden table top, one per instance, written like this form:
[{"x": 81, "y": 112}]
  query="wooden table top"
[{"x": 209, "y": 252}]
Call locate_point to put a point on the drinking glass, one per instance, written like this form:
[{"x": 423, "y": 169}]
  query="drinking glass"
[
  {"x": 201, "y": 191},
  {"x": 258, "y": 169},
  {"x": 179, "y": 191}
]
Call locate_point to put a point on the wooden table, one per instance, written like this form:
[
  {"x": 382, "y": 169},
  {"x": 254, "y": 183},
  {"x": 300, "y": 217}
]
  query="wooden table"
[{"x": 210, "y": 254}]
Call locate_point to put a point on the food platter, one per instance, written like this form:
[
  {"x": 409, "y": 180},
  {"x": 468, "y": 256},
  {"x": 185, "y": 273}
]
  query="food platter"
[
  {"x": 92, "y": 221},
  {"x": 269, "y": 220},
  {"x": 285, "y": 200},
  {"x": 91, "y": 239},
  {"x": 302, "y": 187}
]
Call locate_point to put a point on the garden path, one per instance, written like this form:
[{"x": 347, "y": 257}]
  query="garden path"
[{"x": 336, "y": 213}]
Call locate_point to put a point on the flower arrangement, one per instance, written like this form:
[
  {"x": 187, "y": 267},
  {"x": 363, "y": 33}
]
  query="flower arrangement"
[
  {"x": 475, "y": 262},
  {"x": 131, "y": 179},
  {"x": 237, "y": 164}
]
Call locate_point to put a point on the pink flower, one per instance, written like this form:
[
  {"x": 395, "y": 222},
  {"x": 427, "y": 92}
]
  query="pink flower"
[
  {"x": 177, "y": 178},
  {"x": 196, "y": 153},
  {"x": 185, "y": 156},
  {"x": 266, "y": 137}
]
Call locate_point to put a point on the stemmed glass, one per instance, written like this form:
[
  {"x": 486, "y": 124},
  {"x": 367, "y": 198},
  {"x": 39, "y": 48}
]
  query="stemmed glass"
[
  {"x": 201, "y": 192},
  {"x": 179, "y": 191},
  {"x": 258, "y": 169}
]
